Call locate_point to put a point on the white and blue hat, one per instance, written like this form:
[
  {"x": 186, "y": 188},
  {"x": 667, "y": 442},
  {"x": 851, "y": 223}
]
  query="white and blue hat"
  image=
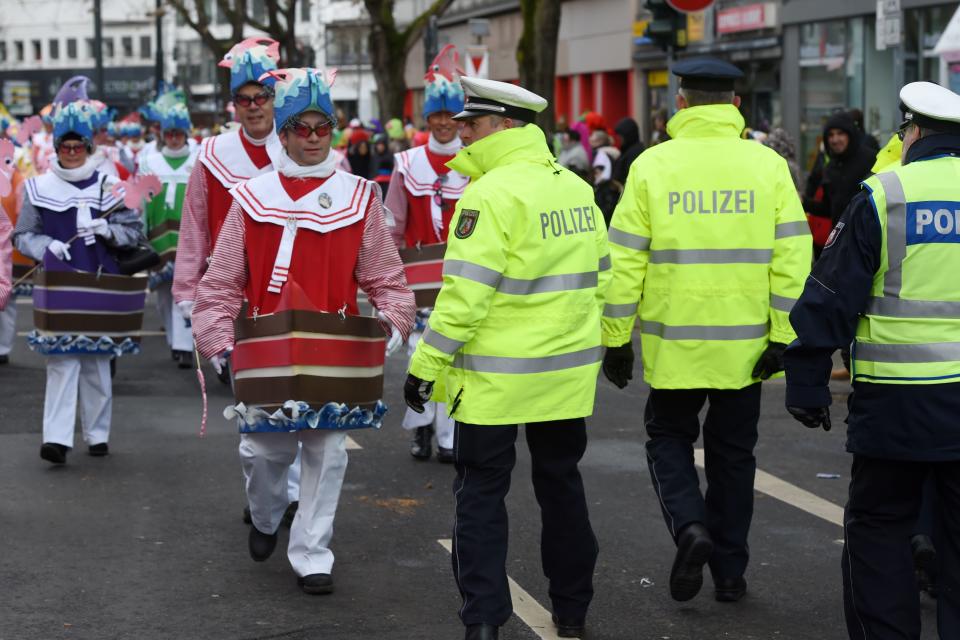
[{"x": 299, "y": 90}]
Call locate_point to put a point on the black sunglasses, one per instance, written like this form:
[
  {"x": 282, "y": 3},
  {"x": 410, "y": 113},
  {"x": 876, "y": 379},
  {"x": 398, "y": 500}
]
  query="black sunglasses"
[{"x": 902, "y": 129}]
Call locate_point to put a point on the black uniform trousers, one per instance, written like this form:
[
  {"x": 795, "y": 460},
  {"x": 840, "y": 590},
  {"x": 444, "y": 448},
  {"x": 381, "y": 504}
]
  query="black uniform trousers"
[
  {"x": 484, "y": 457},
  {"x": 729, "y": 436},
  {"x": 879, "y": 589}
]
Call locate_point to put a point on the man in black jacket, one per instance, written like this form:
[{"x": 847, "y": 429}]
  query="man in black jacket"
[
  {"x": 630, "y": 148},
  {"x": 848, "y": 163}
]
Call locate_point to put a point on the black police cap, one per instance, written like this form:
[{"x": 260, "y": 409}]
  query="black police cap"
[{"x": 706, "y": 74}]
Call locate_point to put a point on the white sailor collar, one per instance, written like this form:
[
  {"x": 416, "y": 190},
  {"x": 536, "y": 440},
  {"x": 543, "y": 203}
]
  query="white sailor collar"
[
  {"x": 155, "y": 164},
  {"x": 50, "y": 191},
  {"x": 227, "y": 159},
  {"x": 419, "y": 176}
]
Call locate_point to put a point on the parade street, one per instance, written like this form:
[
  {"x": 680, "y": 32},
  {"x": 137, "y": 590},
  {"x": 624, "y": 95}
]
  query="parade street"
[{"x": 149, "y": 542}]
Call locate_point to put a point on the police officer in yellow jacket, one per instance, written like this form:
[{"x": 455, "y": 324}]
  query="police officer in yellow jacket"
[
  {"x": 515, "y": 338},
  {"x": 887, "y": 281},
  {"x": 710, "y": 248}
]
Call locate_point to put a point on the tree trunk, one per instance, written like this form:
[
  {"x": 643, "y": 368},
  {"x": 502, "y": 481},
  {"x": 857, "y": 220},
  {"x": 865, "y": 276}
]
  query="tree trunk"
[
  {"x": 388, "y": 60},
  {"x": 537, "y": 53}
]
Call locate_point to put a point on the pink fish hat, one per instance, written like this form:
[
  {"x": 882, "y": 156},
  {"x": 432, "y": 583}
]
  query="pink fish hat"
[
  {"x": 249, "y": 60},
  {"x": 299, "y": 90},
  {"x": 442, "y": 90}
]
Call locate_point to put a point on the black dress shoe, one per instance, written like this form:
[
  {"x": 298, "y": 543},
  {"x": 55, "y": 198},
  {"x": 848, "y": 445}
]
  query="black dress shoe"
[
  {"x": 53, "y": 452},
  {"x": 184, "y": 360},
  {"x": 420, "y": 447},
  {"x": 568, "y": 627},
  {"x": 289, "y": 514},
  {"x": 444, "y": 455},
  {"x": 482, "y": 632},
  {"x": 224, "y": 375},
  {"x": 925, "y": 563},
  {"x": 316, "y": 584},
  {"x": 694, "y": 548},
  {"x": 4, "y": 359},
  {"x": 730, "y": 589},
  {"x": 247, "y": 518},
  {"x": 99, "y": 450},
  {"x": 261, "y": 545}
]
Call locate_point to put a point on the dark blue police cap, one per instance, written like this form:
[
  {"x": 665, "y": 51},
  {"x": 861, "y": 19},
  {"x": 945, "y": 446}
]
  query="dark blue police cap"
[{"x": 706, "y": 74}]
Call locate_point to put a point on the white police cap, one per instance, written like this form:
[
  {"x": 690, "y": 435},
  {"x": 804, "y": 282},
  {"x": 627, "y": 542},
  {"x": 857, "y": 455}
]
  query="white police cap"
[
  {"x": 930, "y": 105},
  {"x": 495, "y": 98}
]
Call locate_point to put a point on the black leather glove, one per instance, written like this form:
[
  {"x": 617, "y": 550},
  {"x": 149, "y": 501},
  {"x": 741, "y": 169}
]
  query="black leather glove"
[
  {"x": 618, "y": 364},
  {"x": 770, "y": 362},
  {"x": 812, "y": 417},
  {"x": 416, "y": 392}
]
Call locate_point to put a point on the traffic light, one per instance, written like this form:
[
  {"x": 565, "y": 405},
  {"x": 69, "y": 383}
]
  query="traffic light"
[{"x": 667, "y": 27}]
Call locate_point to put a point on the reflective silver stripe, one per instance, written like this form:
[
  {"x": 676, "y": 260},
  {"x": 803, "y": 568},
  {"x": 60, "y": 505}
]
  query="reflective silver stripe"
[
  {"x": 628, "y": 240},
  {"x": 790, "y": 229},
  {"x": 711, "y": 256},
  {"x": 782, "y": 304},
  {"x": 901, "y": 308},
  {"x": 546, "y": 284},
  {"x": 604, "y": 263},
  {"x": 441, "y": 342},
  {"x": 896, "y": 232},
  {"x": 626, "y": 310},
  {"x": 907, "y": 353},
  {"x": 496, "y": 364},
  {"x": 704, "y": 332},
  {"x": 472, "y": 271}
]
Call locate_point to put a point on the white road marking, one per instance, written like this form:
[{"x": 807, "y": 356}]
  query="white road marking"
[
  {"x": 791, "y": 494},
  {"x": 524, "y": 606}
]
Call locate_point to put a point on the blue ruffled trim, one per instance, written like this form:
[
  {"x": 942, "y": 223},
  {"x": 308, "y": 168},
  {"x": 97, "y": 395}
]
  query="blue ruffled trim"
[
  {"x": 298, "y": 416},
  {"x": 156, "y": 278},
  {"x": 73, "y": 345}
]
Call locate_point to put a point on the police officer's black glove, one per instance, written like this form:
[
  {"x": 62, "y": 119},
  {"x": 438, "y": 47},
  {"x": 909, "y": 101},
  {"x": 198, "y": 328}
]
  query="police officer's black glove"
[
  {"x": 618, "y": 364},
  {"x": 770, "y": 362},
  {"x": 416, "y": 392},
  {"x": 812, "y": 417}
]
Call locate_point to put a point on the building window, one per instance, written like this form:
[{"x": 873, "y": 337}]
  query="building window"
[
  {"x": 3, "y": 51},
  {"x": 108, "y": 47},
  {"x": 221, "y": 17},
  {"x": 37, "y": 47},
  {"x": 145, "y": 47},
  {"x": 54, "y": 49},
  {"x": 347, "y": 45},
  {"x": 126, "y": 43},
  {"x": 18, "y": 47},
  {"x": 72, "y": 48},
  {"x": 91, "y": 49},
  {"x": 305, "y": 10},
  {"x": 259, "y": 10}
]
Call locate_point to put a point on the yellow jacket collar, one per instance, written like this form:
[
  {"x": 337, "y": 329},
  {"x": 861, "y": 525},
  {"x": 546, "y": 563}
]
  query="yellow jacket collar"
[
  {"x": 707, "y": 121},
  {"x": 522, "y": 144}
]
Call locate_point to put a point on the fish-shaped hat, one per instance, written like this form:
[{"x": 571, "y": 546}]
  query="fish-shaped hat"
[
  {"x": 249, "y": 60},
  {"x": 299, "y": 90},
  {"x": 442, "y": 90}
]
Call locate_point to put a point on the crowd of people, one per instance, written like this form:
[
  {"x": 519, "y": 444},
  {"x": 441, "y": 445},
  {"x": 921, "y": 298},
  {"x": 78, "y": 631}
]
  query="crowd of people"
[{"x": 513, "y": 273}]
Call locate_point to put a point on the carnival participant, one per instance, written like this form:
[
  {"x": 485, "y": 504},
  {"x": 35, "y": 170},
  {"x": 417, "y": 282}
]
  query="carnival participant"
[
  {"x": 10, "y": 205},
  {"x": 173, "y": 164},
  {"x": 330, "y": 239},
  {"x": 71, "y": 221},
  {"x": 422, "y": 195}
]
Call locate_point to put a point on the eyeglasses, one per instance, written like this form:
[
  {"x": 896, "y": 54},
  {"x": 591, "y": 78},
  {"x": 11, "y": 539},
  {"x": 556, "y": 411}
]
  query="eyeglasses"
[
  {"x": 245, "y": 101},
  {"x": 71, "y": 149},
  {"x": 438, "y": 190},
  {"x": 902, "y": 129},
  {"x": 303, "y": 130}
]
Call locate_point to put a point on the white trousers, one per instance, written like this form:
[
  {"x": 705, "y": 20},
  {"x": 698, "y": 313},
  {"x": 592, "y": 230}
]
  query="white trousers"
[
  {"x": 8, "y": 326},
  {"x": 266, "y": 459},
  {"x": 434, "y": 413},
  {"x": 67, "y": 378},
  {"x": 177, "y": 328}
]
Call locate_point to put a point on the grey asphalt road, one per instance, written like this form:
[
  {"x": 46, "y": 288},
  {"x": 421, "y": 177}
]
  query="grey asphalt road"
[{"x": 148, "y": 542}]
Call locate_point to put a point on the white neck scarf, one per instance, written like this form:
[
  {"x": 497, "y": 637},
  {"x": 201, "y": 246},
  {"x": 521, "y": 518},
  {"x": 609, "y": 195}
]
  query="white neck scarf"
[
  {"x": 257, "y": 142},
  {"x": 444, "y": 148},
  {"x": 82, "y": 172},
  {"x": 287, "y": 167},
  {"x": 182, "y": 152}
]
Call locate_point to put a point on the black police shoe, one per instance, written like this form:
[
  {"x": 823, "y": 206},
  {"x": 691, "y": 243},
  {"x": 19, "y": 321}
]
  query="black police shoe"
[
  {"x": 247, "y": 518},
  {"x": 420, "y": 447},
  {"x": 53, "y": 452},
  {"x": 729, "y": 589},
  {"x": 482, "y": 632},
  {"x": 694, "y": 548},
  {"x": 444, "y": 455},
  {"x": 184, "y": 359},
  {"x": 316, "y": 584},
  {"x": 261, "y": 545},
  {"x": 99, "y": 450},
  {"x": 289, "y": 514},
  {"x": 925, "y": 563},
  {"x": 568, "y": 627}
]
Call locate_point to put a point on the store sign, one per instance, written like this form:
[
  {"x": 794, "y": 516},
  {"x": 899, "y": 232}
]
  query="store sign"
[
  {"x": 889, "y": 24},
  {"x": 749, "y": 17},
  {"x": 16, "y": 95},
  {"x": 696, "y": 27}
]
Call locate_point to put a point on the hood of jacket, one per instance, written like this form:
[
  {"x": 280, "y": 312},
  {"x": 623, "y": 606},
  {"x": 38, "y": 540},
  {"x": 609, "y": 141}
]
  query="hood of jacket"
[
  {"x": 845, "y": 123},
  {"x": 706, "y": 121},
  {"x": 628, "y": 131},
  {"x": 521, "y": 144}
]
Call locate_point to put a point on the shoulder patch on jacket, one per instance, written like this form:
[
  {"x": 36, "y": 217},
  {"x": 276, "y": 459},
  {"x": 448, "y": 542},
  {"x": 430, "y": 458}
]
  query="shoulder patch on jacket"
[
  {"x": 466, "y": 223},
  {"x": 834, "y": 235}
]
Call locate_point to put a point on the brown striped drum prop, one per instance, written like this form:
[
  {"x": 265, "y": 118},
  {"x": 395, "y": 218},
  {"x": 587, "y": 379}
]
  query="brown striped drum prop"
[
  {"x": 299, "y": 369},
  {"x": 424, "y": 268},
  {"x": 78, "y": 312}
]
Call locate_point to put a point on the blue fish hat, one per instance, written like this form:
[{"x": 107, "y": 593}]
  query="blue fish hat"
[
  {"x": 299, "y": 90},
  {"x": 249, "y": 60},
  {"x": 176, "y": 117},
  {"x": 441, "y": 89},
  {"x": 79, "y": 117}
]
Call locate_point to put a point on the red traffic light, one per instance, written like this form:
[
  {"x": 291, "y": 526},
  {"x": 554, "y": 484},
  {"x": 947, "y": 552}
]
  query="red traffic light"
[{"x": 690, "y": 6}]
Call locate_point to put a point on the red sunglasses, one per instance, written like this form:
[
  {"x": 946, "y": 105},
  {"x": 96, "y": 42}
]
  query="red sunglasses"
[
  {"x": 71, "y": 149},
  {"x": 245, "y": 101},
  {"x": 303, "y": 130}
]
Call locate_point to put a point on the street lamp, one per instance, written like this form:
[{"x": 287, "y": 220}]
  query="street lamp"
[{"x": 158, "y": 15}]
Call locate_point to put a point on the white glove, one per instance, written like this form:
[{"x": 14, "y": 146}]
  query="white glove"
[
  {"x": 59, "y": 249},
  {"x": 220, "y": 361},
  {"x": 186, "y": 309},
  {"x": 97, "y": 226},
  {"x": 395, "y": 339}
]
